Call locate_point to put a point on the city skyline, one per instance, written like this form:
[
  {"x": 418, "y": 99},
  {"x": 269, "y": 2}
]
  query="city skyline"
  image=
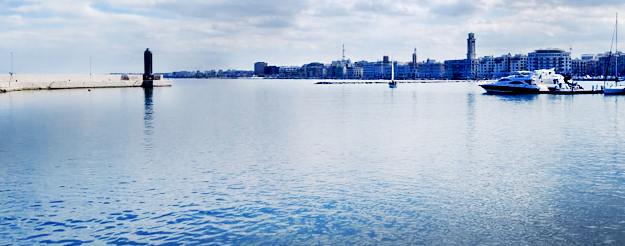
[{"x": 66, "y": 36}]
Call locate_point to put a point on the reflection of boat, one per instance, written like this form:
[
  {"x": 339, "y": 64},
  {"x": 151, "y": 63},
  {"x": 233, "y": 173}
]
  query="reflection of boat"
[{"x": 522, "y": 82}]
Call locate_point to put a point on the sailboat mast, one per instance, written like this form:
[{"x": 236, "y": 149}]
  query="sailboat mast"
[
  {"x": 392, "y": 70},
  {"x": 616, "y": 50}
]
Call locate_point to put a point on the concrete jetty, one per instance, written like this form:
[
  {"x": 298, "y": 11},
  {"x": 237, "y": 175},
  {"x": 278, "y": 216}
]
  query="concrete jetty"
[
  {"x": 19, "y": 82},
  {"x": 344, "y": 82}
]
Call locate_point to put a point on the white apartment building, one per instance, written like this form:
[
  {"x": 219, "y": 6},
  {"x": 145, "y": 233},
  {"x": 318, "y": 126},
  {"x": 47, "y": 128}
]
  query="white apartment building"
[{"x": 550, "y": 58}]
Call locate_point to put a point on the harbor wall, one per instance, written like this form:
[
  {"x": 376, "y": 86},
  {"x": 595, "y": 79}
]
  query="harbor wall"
[{"x": 18, "y": 82}]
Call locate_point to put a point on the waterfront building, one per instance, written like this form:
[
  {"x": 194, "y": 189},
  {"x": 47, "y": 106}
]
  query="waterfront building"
[
  {"x": 404, "y": 71},
  {"x": 338, "y": 69},
  {"x": 376, "y": 70},
  {"x": 455, "y": 69},
  {"x": 368, "y": 69},
  {"x": 501, "y": 66},
  {"x": 490, "y": 67},
  {"x": 272, "y": 70},
  {"x": 588, "y": 57},
  {"x": 486, "y": 67},
  {"x": 183, "y": 74},
  {"x": 354, "y": 71},
  {"x": 387, "y": 68},
  {"x": 431, "y": 69},
  {"x": 518, "y": 62},
  {"x": 259, "y": 68},
  {"x": 586, "y": 66},
  {"x": 313, "y": 70},
  {"x": 579, "y": 67},
  {"x": 289, "y": 72},
  {"x": 607, "y": 63},
  {"x": 550, "y": 58}
]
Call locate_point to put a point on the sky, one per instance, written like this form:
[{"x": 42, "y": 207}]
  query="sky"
[{"x": 109, "y": 36}]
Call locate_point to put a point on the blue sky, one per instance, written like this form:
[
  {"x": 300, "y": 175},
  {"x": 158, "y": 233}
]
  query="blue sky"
[{"x": 60, "y": 36}]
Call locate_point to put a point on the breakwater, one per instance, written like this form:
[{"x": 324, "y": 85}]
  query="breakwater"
[
  {"x": 19, "y": 82},
  {"x": 344, "y": 82}
]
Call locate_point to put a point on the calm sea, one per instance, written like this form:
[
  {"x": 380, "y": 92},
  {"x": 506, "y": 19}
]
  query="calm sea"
[{"x": 259, "y": 162}]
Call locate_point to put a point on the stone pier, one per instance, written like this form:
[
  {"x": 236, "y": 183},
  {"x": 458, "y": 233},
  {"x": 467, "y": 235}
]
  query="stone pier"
[{"x": 18, "y": 82}]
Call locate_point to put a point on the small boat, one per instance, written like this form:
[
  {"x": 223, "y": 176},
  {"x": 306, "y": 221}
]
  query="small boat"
[
  {"x": 392, "y": 83},
  {"x": 616, "y": 89}
]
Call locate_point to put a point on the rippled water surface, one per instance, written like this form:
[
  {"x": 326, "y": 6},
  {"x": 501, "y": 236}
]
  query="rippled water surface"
[{"x": 293, "y": 163}]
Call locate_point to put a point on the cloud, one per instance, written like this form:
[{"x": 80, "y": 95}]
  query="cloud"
[
  {"x": 455, "y": 9},
  {"x": 60, "y": 35}
]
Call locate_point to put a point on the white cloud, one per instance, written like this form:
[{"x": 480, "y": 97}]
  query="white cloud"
[{"x": 60, "y": 35}]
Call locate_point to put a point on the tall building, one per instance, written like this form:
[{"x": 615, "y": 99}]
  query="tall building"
[
  {"x": 471, "y": 47},
  {"x": 414, "y": 65},
  {"x": 548, "y": 59},
  {"x": 259, "y": 68},
  {"x": 472, "y": 62}
]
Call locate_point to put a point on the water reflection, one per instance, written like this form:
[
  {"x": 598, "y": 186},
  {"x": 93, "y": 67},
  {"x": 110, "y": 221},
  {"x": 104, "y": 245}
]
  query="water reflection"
[
  {"x": 148, "y": 128},
  {"x": 616, "y": 123},
  {"x": 311, "y": 165},
  {"x": 471, "y": 139},
  {"x": 514, "y": 97}
]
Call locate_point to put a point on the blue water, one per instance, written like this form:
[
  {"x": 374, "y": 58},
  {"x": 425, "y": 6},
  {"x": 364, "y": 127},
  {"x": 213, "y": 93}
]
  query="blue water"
[{"x": 259, "y": 162}]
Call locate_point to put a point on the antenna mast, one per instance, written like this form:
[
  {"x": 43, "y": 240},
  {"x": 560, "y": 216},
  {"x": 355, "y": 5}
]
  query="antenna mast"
[{"x": 343, "y": 52}]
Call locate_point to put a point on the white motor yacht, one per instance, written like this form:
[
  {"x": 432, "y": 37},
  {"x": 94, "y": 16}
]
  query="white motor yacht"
[{"x": 523, "y": 82}]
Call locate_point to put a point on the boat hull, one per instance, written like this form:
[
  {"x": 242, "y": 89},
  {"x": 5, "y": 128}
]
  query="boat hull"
[
  {"x": 614, "y": 91},
  {"x": 490, "y": 88},
  {"x": 567, "y": 92}
]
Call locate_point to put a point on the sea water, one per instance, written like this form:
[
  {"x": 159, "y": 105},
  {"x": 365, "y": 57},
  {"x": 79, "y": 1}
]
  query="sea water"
[{"x": 288, "y": 162}]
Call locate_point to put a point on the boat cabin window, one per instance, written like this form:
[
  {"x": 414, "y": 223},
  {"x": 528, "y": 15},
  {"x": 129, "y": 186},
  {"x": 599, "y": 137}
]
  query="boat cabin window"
[
  {"x": 516, "y": 83},
  {"x": 504, "y": 79}
]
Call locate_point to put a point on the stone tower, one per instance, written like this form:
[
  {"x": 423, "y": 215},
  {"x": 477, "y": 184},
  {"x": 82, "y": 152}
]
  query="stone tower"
[
  {"x": 472, "y": 63},
  {"x": 471, "y": 47}
]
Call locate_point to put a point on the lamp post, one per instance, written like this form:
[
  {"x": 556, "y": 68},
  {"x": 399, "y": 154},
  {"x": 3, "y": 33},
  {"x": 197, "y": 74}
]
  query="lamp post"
[{"x": 11, "y": 73}]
